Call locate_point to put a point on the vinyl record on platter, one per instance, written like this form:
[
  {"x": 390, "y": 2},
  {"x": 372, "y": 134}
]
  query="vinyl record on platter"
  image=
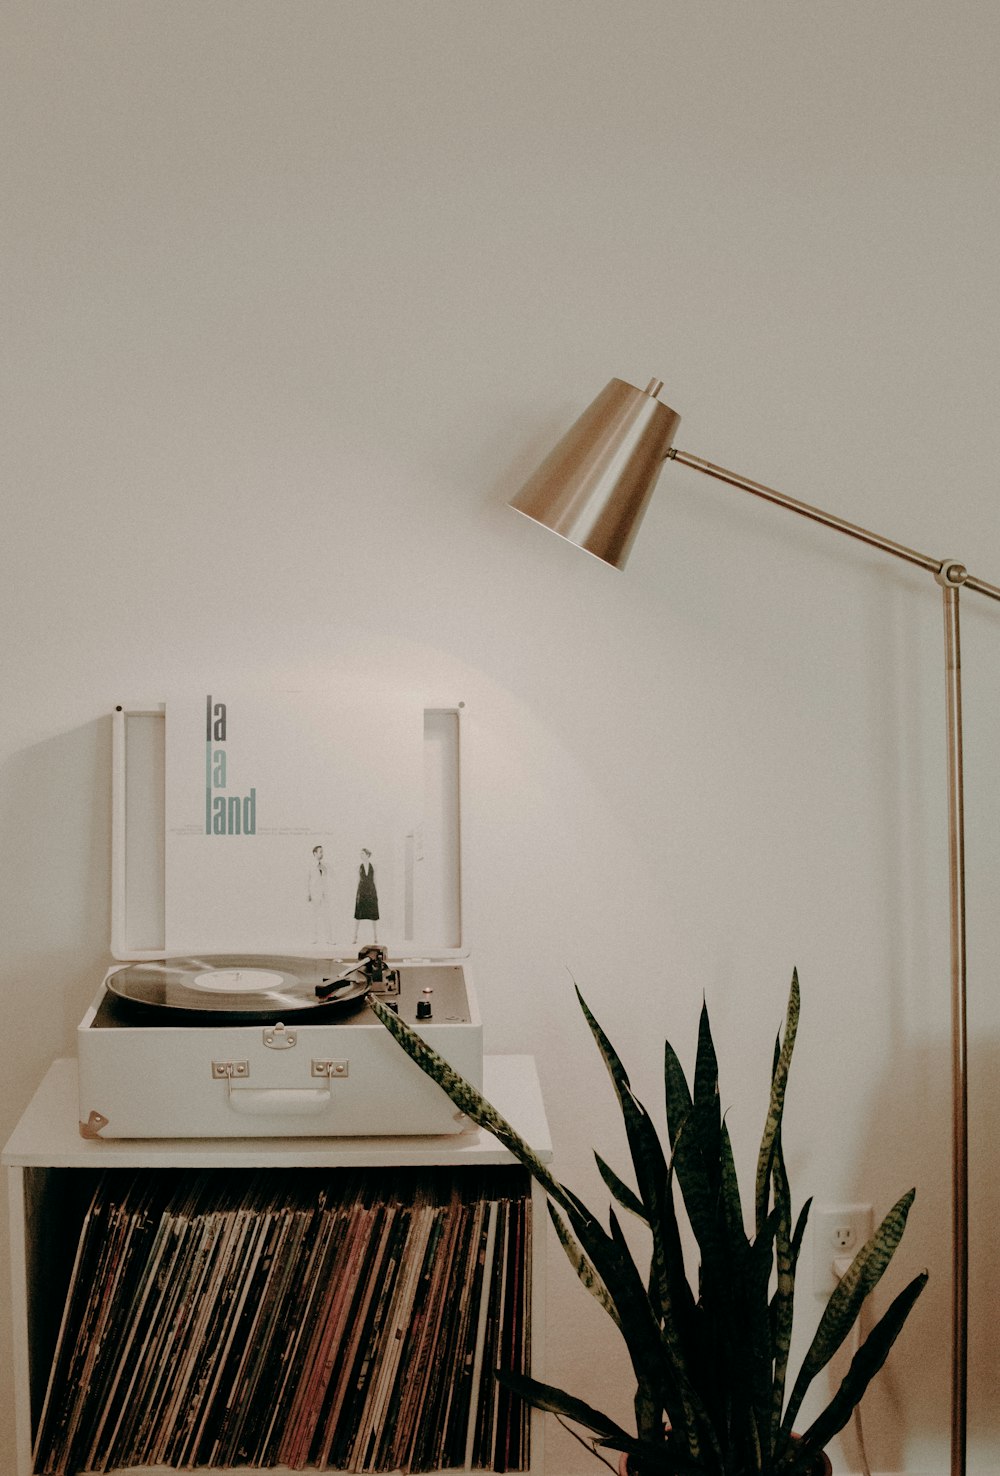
[{"x": 250, "y": 987}]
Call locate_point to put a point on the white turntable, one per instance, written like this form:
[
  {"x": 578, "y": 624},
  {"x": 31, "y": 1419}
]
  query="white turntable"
[{"x": 275, "y": 1044}]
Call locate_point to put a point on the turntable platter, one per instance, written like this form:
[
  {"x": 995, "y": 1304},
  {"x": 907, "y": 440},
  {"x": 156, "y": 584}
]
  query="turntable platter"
[{"x": 248, "y": 988}]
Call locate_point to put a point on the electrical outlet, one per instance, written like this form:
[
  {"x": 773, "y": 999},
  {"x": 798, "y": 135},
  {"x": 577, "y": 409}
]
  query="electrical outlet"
[{"x": 839, "y": 1232}]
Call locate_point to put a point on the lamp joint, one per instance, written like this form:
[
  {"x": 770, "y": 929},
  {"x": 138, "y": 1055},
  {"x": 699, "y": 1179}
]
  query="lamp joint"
[{"x": 951, "y": 574}]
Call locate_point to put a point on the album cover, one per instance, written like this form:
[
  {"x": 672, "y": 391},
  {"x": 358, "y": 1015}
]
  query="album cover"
[{"x": 290, "y": 821}]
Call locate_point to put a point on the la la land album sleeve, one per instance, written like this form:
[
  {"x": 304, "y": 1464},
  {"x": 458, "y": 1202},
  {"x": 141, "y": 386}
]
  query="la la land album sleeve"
[{"x": 287, "y": 817}]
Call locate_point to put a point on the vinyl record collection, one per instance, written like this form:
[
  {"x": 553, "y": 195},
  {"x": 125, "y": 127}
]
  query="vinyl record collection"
[{"x": 301, "y": 1319}]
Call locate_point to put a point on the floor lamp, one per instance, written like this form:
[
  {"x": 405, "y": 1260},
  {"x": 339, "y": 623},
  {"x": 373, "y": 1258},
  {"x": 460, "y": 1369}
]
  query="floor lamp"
[{"x": 593, "y": 489}]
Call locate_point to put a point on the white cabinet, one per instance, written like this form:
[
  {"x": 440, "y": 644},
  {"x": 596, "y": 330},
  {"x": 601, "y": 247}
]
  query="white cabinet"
[{"x": 52, "y": 1170}]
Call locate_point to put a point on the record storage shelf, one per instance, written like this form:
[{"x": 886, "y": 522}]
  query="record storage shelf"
[{"x": 46, "y": 1160}]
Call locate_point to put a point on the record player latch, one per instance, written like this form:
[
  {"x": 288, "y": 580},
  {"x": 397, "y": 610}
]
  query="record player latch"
[
  {"x": 330, "y": 1068},
  {"x": 230, "y": 1070}
]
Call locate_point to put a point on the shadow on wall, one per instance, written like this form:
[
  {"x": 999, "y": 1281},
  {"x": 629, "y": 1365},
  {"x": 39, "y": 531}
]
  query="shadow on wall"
[
  {"x": 55, "y": 884},
  {"x": 55, "y": 820}
]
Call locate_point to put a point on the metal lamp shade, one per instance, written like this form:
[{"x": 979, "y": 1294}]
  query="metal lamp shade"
[{"x": 594, "y": 486}]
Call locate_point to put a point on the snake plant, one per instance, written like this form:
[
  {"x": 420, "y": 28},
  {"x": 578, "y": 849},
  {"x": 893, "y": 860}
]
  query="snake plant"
[{"x": 713, "y": 1392}]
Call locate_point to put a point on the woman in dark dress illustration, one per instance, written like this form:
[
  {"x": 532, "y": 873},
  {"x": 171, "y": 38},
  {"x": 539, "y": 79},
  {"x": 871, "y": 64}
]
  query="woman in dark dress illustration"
[{"x": 366, "y": 902}]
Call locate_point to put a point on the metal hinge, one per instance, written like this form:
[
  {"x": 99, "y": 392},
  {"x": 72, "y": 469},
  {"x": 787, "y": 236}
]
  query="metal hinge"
[{"x": 277, "y": 1038}]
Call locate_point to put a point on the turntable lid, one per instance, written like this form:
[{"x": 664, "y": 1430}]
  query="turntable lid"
[{"x": 429, "y": 911}]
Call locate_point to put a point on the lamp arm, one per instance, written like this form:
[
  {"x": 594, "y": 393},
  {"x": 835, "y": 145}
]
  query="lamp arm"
[{"x": 948, "y": 572}]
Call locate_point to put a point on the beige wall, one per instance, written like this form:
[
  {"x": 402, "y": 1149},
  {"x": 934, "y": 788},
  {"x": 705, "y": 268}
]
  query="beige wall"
[{"x": 297, "y": 292}]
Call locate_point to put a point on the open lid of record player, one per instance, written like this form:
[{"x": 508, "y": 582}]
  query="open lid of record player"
[{"x": 237, "y": 867}]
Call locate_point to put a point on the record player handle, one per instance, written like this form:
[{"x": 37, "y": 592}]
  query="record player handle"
[{"x": 285, "y": 1101}]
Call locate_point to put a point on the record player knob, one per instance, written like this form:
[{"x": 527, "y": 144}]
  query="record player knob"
[{"x": 423, "y": 1009}]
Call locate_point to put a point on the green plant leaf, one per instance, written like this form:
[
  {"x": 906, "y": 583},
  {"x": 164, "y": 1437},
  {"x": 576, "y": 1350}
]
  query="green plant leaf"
[
  {"x": 743, "y": 1311},
  {"x": 610, "y": 1260},
  {"x": 467, "y": 1097},
  {"x": 626, "y": 1197},
  {"x": 471, "y": 1101},
  {"x": 677, "y": 1095},
  {"x": 845, "y": 1302},
  {"x": 673, "y": 1308},
  {"x": 800, "y": 1230},
  {"x": 772, "y": 1125},
  {"x": 783, "y": 1304},
  {"x": 667, "y": 1382},
  {"x": 668, "y": 1289},
  {"x": 705, "y": 1091},
  {"x": 558, "y": 1402},
  {"x": 700, "y": 1201},
  {"x": 717, "y": 1340},
  {"x": 648, "y": 1161},
  {"x": 864, "y": 1366},
  {"x": 581, "y": 1264},
  {"x": 732, "y": 1205}
]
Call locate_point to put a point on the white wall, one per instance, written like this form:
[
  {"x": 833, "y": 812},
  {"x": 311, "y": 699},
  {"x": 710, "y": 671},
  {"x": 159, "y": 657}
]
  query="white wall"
[{"x": 297, "y": 293}]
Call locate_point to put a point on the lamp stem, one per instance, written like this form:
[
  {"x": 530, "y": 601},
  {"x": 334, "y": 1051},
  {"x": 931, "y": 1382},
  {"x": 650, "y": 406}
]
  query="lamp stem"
[{"x": 959, "y": 1039}]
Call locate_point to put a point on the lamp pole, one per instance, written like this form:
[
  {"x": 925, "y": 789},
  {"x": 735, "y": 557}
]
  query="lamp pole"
[{"x": 959, "y": 1036}]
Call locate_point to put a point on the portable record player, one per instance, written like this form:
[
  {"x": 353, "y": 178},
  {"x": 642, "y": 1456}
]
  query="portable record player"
[{"x": 277, "y": 1043}]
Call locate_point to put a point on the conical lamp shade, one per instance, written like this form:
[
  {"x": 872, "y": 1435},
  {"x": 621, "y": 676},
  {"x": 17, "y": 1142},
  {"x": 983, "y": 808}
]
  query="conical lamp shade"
[{"x": 594, "y": 487}]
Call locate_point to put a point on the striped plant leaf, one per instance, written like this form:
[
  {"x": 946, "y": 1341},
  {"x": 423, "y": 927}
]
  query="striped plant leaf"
[
  {"x": 734, "y": 1295},
  {"x": 864, "y": 1366},
  {"x": 648, "y": 1161},
  {"x": 677, "y": 1095},
  {"x": 705, "y": 1087},
  {"x": 783, "y": 1304},
  {"x": 626, "y": 1197},
  {"x": 743, "y": 1308},
  {"x": 668, "y": 1287},
  {"x": 557, "y": 1401},
  {"x": 634, "y": 1315},
  {"x": 672, "y": 1381},
  {"x": 581, "y": 1264},
  {"x": 612, "y": 1263},
  {"x": 609, "y": 1435},
  {"x": 779, "y": 1081},
  {"x": 844, "y": 1306},
  {"x": 800, "y": 1230},
  {"x": 782, "y": 1308},
  {"x": 466, "y": 1097},
  {"x": 699, "y": 1199}
]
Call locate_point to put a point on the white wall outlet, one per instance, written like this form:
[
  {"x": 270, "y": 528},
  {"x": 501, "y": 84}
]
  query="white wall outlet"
[{"x": 838, "y": 1233}]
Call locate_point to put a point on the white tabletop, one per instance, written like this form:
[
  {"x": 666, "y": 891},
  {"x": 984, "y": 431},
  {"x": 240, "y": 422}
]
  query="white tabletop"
[{"x": 48, "y": 1134}]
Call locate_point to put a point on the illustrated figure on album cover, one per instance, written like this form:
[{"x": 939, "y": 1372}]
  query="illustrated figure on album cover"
[
  {"x": 322, "y": 931},
  {"x": 366, "y": 902}
]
